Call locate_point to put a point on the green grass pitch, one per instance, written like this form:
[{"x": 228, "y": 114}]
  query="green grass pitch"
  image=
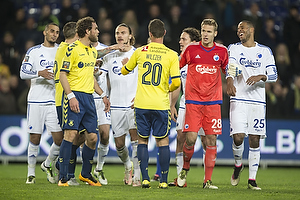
[{"x": 276, "y": 183}]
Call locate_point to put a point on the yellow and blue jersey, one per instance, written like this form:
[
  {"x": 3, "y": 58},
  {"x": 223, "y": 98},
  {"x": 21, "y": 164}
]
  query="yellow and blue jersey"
[
  {"x": 156, "y": 64},
  {"x": 60, "y": 53},
  {"x": 79, "y": 62}
]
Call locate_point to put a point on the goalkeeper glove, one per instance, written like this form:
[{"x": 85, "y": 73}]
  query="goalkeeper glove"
[{"x": 234, "y": 69}]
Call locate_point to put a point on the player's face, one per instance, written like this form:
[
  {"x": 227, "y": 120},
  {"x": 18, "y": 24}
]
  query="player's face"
[
  {"x": 184, "y": 40},
  {"x": 51, "y": 34},
  {"x": 208, "y": 35},
  {"x": 94, "y": 32},
  {"x": 243, "y": 32},
  {"x": 122, "y": 35}
]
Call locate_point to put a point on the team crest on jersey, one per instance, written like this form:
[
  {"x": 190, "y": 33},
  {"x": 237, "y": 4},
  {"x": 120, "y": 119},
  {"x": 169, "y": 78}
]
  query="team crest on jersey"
[
  {"x": 145, "y": 48},
  {"x": 259, "y": 55},
  {"x": 26, "y": 58},
  {"x": 71, "y": 122},
  {"x": 66, "y": 65},
  {"x": 216, "y": 58},
  {"x": 186, "y": 126}
]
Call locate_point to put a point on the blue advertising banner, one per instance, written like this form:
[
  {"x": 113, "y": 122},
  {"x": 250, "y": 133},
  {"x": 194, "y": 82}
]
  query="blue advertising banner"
[{"x": 282, "y": 142}]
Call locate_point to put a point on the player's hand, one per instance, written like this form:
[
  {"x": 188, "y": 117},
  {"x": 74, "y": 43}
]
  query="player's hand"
[
  {"x": 231, "y": 90},
  {"x": 174, "y": 114},
  {"x": 46, "y": 73},
  {"x": 74, "y": 105},
  {"x": 234, "y": 69},
  {"x": 132, "y": 105},
  {"x": 106, "y": 103},
  {"x": 124, "y": 61},
  {"x": 117, "y": 47},
  {"x": 254, "y": 79},
  {"x": 99, "y": 63}
]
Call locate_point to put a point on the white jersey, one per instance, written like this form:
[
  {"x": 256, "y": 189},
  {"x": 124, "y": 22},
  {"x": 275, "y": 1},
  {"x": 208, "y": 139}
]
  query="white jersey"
[
  {"x": 102, "y": 81},
  {"x": 123, "y": 88},
  {"x": 183, "y": 73},
  {"x": 38, "y": 58},
  {"x": 258, "y": 60}
]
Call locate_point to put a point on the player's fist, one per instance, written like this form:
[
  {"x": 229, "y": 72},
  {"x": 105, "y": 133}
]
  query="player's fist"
[{"x": 234, "y": 69}]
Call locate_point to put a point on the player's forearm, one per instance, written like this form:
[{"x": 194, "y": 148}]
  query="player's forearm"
[
  {"x": 64, "y": 82},
  {"x": 174, "y": 96},
  {"x": 97, "y": 89},
  {"x": 103, "y": 52}
]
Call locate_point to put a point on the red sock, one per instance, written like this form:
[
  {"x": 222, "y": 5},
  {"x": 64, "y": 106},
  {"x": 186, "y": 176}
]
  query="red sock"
[
  {"x": 210, "y": 160},
  {"x": 188, "y": 152}
]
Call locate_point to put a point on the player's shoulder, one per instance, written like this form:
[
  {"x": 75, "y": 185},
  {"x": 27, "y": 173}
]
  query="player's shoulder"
[
  {"x": 100, "y": 46},
  {"x": 264, "y": 47},
  {"x": 235, "y": 45},
  {"x": 221, "y": 46},
  {"x": 34, "y": 48}
]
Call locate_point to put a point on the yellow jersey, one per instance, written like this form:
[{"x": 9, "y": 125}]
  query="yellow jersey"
[
  {"x": 156, "y": 64},
  {"x": 60, "y": 53},
  {"x": 79, "y": 61}
]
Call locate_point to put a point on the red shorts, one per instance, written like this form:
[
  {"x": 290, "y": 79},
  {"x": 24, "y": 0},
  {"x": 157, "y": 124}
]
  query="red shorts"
[{"x": 206, "y": 116}]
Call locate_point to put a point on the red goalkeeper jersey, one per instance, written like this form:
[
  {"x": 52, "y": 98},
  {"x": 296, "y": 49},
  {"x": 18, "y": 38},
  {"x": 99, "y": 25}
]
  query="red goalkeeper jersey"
[{"x": 203, "y": 82}]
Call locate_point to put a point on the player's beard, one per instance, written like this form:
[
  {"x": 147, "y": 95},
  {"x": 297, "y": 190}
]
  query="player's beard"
[{"x": 93, "y": 38}]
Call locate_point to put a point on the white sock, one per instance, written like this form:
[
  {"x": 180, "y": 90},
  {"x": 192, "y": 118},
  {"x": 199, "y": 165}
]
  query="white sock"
[
  {"x": 124, "y": 156},
  {"x": 134, "y": 158},
  {"x": 31, "y": 158},
  {"x": 238, "y": 153},
  {"x": 102, "y": 153},
  {"x": 203, "y": 157},
  {"x": 54, "y": 152},
  {"x": 253, "y": 159},
  {"x": 179, "y": 162}
]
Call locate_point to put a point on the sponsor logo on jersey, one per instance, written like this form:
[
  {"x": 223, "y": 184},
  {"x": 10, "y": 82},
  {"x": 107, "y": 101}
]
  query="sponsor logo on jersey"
[
  {"x": 250, "y": 63},
  {"x": 145, "y": 48},
  {"x": 183, "y": 74},
  {"x": 116, "y": 70},
  {"x": 197, "y": 56},
  {"x": 46, "y": 64},
  {"x": 66, "y": 65},
  {"x": 206, "y": 69},
  {"x": 26, "y": 58}
]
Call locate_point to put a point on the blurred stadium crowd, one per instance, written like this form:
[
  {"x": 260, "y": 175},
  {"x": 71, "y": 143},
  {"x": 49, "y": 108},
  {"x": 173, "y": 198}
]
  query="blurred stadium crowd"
[{"x": 277, "y": 25}]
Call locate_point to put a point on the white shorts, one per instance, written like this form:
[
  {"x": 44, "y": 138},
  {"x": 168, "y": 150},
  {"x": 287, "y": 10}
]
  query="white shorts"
[
  {"x": 122, "y": 121},
  {"x": 40, "y": 115},
  {"x": 247, "y": 118},
  {"x": 180, "y": 121},
  {"x": 103, "y": 117}
]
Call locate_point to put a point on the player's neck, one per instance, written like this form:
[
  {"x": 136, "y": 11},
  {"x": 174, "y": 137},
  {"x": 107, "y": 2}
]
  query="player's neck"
[
  {"x": 85, "y": 41},
  {"x": 207, "y": 45},
  {"x": 48, "y": 44},
  {"x": 157, "y": 40},
  {"x": 126, "y": 49},
  {"x": 249, "y": 43}
]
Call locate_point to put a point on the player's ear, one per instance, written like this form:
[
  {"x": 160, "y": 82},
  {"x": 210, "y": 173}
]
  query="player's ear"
[{"x": 216, "y": 33}]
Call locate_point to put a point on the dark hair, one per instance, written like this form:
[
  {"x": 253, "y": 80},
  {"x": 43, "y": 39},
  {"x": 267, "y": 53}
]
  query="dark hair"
[
  {"x": 249, "y": 23},
  {"x": 132, "y": 39},
  {"x": 52, "y": 23},
  {"x": 157, "y": 28},
  {"x": 84, "y": 24},
  {"x": 69, "y": 30},
  {"x": 193, "y": 33}
]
